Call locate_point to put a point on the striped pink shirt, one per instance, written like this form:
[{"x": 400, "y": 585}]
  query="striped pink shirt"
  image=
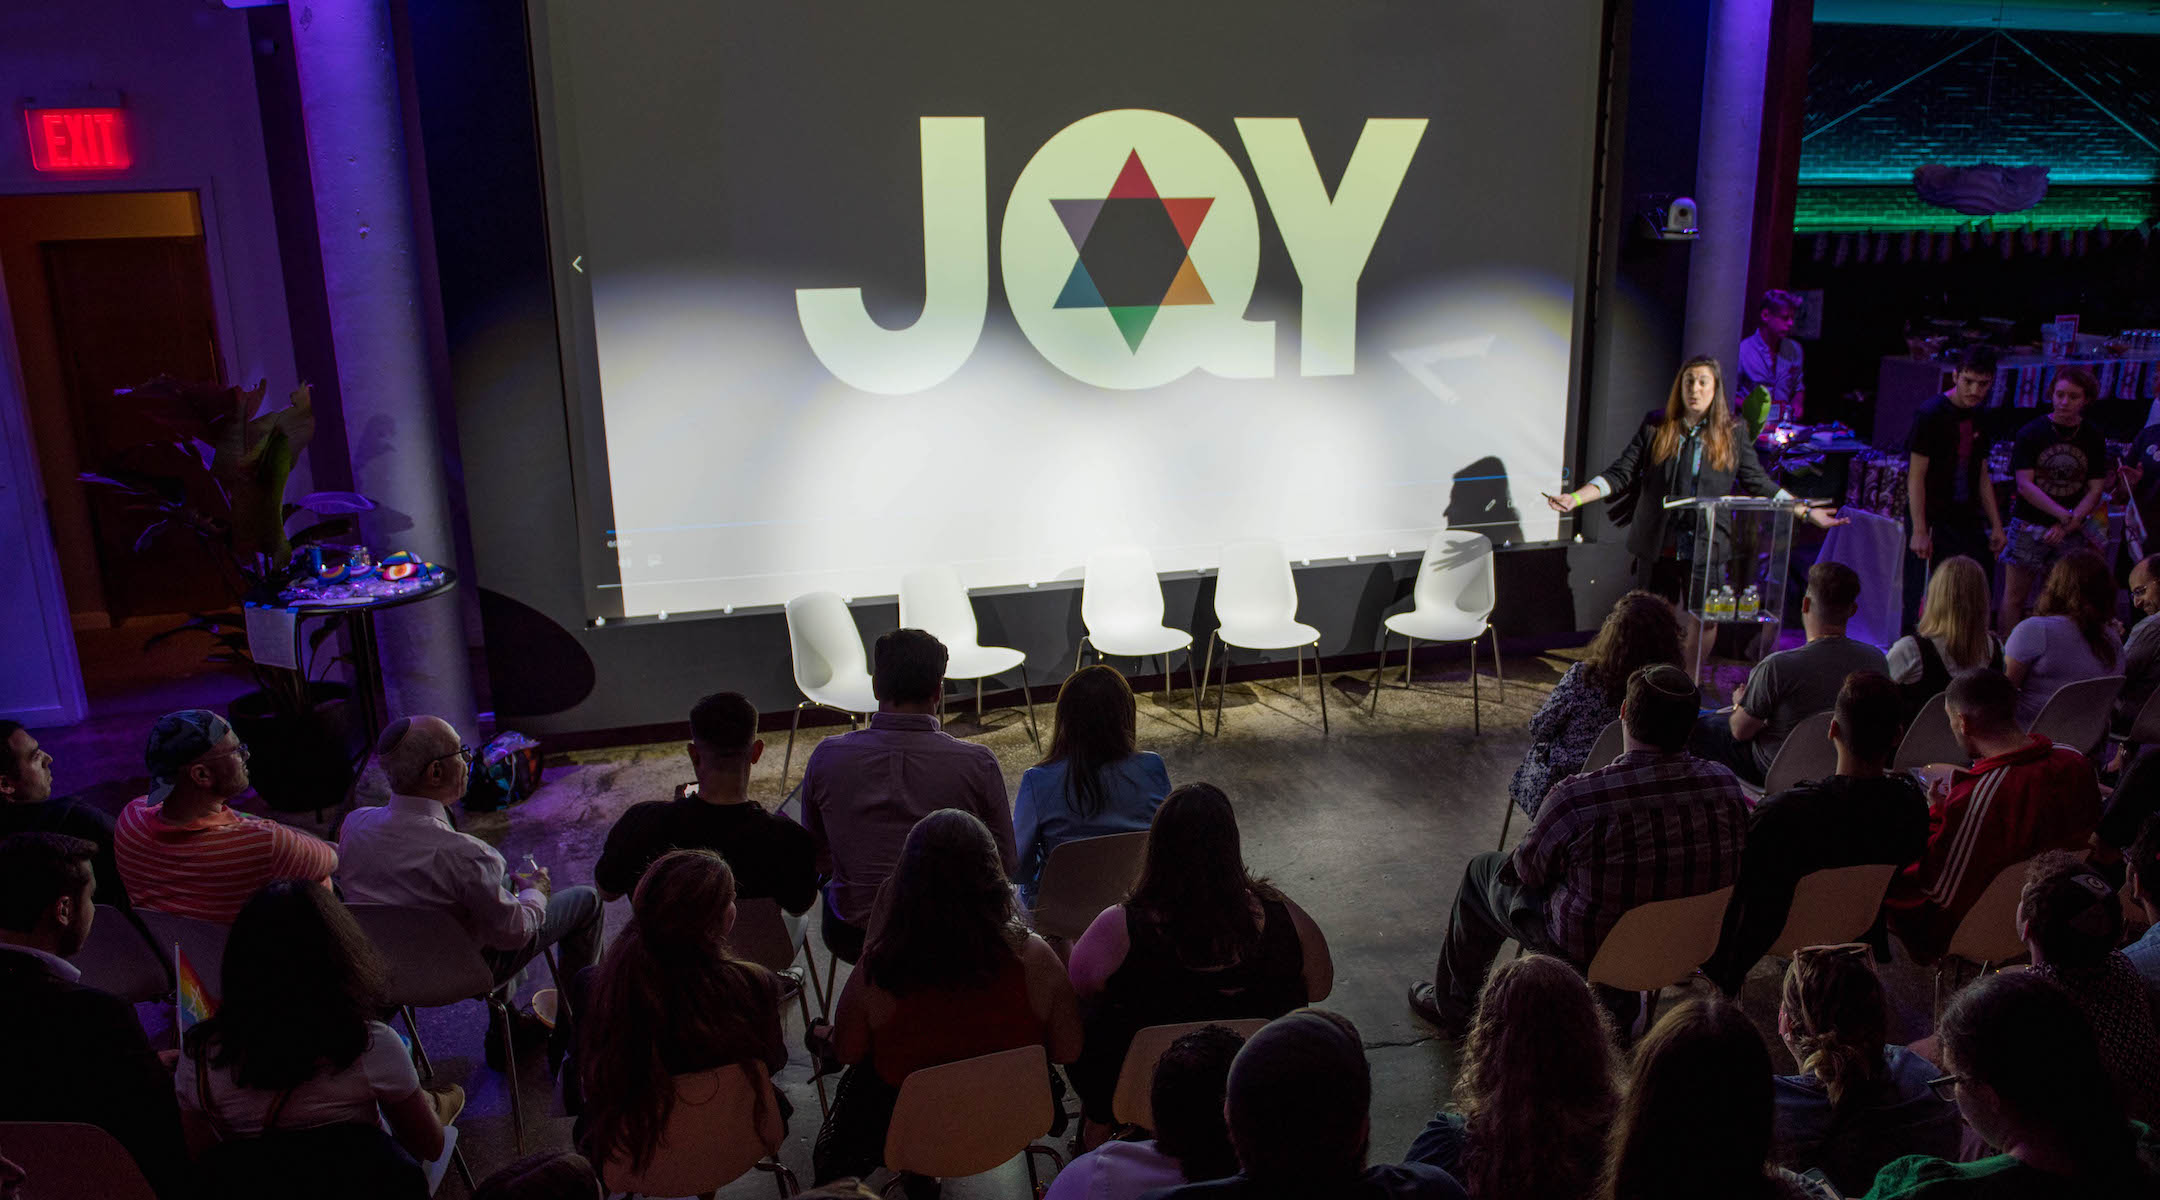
[{"x": 208, "y": 868}]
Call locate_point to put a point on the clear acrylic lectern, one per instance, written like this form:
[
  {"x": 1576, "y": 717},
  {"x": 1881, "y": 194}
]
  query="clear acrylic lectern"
[{"x": 1736, "y": 565}]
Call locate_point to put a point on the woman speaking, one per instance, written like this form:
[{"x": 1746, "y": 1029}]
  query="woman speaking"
[{"x": 1694, "y": 450}]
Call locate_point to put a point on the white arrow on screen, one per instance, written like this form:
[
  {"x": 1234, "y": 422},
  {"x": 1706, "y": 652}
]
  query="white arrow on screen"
[
  {"x": 1420, "y": 361},
  {"x": 578, "y": 264}
]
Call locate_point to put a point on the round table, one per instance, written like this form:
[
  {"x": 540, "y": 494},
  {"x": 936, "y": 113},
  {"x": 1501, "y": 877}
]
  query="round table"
[{"x": 359, "y": 619}]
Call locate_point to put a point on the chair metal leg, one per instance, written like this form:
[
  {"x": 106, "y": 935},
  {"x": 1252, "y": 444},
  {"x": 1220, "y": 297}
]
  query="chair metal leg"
[
  {"x": 1319, "y": 685},
  {"x": 1221, "y": 689},
  {"x": 1505, "y": 821},
  {"x": 1207, "y": 673},
  {"x": 1080, "y": 652},
  {"x": 517, "y": 1101},
  {"x": 457, "y": 1159},
  {"x": 1377, "y": 672},
  {"x": 1027, "y": 704},
  {"x": 783, "y": 1178},
  {"x": 787, "y": 761},
  {"x": 1300, "y": 654},
  {"x": 1409, "y": 661},
  {"x": 1056, "y": 1160},
  {"x": 419, "y": 1052},
  {"x": 1476, "y": 727},
  {"x": 802, "y": 997},
  {"x": 1499, "y": 672},
  {"x": 1192, "y": 672}
]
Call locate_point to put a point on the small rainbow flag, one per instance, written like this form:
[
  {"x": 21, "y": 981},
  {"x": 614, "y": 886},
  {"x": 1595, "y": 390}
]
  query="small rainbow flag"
[{"x": 192, "y": 1001}]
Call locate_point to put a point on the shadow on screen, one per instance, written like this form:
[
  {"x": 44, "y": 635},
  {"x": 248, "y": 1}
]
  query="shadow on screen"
[{"x": 1480, "y": 502}]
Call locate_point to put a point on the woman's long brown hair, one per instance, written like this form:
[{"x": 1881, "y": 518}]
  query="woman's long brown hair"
[
  {"x": 1720, "y": 446},
  {"x": 1641, "y": 630},
  {"x": 2081, "y": 588},
  {"x": 1538, "y": 1086},
  {"x": 667, "y": 981}
]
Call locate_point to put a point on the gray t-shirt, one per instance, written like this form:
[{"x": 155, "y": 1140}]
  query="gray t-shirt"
[
  {"x": 2056, "y": 651},
  {"x": 1792, "y": 685}
]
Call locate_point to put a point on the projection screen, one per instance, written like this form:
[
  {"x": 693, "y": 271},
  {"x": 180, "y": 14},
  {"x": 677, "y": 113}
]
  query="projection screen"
[{"x": 848, "y": 289}]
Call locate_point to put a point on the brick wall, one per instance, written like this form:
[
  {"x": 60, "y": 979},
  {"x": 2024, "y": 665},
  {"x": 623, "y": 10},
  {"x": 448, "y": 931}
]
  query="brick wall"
[{"x": 1885, "y": 99}]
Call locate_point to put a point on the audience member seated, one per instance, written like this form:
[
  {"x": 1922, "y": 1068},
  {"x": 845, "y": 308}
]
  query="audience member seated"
[
  {"x": 2028, "y": 1078},
  {"x": 1658, "y": 824},
  {"x": 1536, "y": 1090},
  {"x": 2144, "y": 885},
  {"x": 1200, "y": 940},
  {"x": 72, "y": 1052},
  {"x": 1953, "y": 635},
  {"x": 2141, "y": 650},
  {"x": 1863, "y": 814},
  {"x": 669, "y": 1000},
  {"x": 772, "y": 857},
  {"x": 405, "y": 853},
  {"x": 948, "y": 972},
  {"x": 1300, "y": 1114},
  {"x": 864, "y": 790},
  {"x": 1191, "y": 1142},
  {"x": 1790, "y": 686},
  {"x": 2067, "y": 638},
  {"x": 2069, "y": 918},
  {"x": 1640, "y": 630},
  {"x": 1092, "y": 782},
  {"x": 2022, "y": 795},
  {"x": 182, "y": 849},
  {"x": 294, "y": 1071},
  {"x": 2135, "y": 800},
  {"x": 1858, "y": 1101},
  {"x": 27, "y": 805},
  {"x": 1696, "y": 1124}
]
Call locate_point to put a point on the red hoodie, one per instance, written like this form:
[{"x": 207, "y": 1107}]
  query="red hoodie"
[{"x": 1998, "y": 812}]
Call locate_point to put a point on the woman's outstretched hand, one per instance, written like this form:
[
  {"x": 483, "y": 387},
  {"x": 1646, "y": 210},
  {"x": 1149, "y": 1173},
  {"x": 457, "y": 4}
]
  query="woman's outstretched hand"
[{"x": 1564, "y": 502}]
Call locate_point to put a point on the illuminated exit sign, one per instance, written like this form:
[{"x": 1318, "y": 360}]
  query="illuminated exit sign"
[{"x": 78, "y": 139}]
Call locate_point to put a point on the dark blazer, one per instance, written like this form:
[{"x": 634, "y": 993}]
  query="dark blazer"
[
  {"x": 73, "y": 1053},
  {"x": 1633, "y": 471}
]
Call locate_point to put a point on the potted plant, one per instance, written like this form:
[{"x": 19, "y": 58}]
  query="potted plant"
[{"x": 217, "y": 477}]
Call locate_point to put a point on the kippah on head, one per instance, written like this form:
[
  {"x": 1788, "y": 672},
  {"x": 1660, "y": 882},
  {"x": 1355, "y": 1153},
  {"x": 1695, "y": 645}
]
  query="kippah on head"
[{"x": 1660, "y": 706}]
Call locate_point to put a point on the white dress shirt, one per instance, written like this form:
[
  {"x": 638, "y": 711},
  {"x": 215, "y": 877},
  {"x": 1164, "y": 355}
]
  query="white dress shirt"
[{"x": 405, "y": 853}]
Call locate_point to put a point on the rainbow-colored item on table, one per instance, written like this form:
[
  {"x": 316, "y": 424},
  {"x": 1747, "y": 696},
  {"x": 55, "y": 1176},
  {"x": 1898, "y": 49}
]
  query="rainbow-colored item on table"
[
  {"x": 193, "y": 1003},
  {"x": 404, "y": 564}
]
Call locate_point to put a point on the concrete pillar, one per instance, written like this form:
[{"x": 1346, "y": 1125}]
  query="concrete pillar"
[
  {"x": 1733, "y": 71},
  {"x": 352, "y": 105}
]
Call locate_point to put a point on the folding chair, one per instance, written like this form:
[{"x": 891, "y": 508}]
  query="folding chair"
[
  {"x": 433, "y": 962},
  {"x": 725, "y": 1122},
  {"x": 1083, "y": 877},
  {"x": 1133, "y": 1102},
  {"x": 769, "y": 936},
  {"x": 972, "y": 1116}
]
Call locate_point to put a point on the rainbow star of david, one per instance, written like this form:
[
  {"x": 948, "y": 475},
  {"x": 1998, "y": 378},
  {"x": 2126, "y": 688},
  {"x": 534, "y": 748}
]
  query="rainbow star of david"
[{"x": 1134, "y": 251}]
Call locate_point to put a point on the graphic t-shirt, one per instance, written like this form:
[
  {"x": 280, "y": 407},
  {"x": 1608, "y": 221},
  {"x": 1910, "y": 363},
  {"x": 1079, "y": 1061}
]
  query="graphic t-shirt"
[
  {"x": 2062, "y": 461},
  {"x": 1950, "y": 438}
]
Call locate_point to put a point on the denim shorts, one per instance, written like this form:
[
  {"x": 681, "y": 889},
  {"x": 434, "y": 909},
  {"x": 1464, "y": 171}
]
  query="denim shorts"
[{"x": 2027, "y": 545}]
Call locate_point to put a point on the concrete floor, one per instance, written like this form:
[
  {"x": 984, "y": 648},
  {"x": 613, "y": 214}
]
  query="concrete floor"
[{"x": 1368, "y": 828}]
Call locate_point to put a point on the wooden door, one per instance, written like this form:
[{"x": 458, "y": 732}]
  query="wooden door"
[{"x": 125, "y": 311}]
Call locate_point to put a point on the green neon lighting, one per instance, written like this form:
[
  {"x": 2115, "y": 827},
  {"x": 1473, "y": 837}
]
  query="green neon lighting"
[{"x": 1899, "y": 210}]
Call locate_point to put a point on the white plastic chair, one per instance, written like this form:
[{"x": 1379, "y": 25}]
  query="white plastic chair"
[
  {"x": 2077, "y": 714},
  {"x": 1121, "y": 606},
  {"x": 1256, "y": 609},
  {"x": 932, "y": 600},
  {"x": 1987, "y": 935},
  {"x": 120, "y": 959},
  {"x": 1833, "y": 906},
  {"x": 831, "y": 669},
  {"x": 1452, "y": 602},
  {"x": 724, "y": 1122},
  {"x": 968, "y": 1117},
  {"x": 432, "y": 962},
  {"x": 1929, "y": 739},
  {"x": 1806, "y": 753},
  {"x": 1133, "y": 1103}
]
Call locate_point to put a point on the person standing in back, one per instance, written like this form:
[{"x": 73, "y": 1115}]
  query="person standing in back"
[
  {"x": 2062, "y": 467},
  {"x": 864, "y": 790},
  {"x": 1948, "y": 491}
]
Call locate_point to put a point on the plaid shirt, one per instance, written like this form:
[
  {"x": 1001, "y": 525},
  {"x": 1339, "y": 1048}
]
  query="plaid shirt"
[{"x": 1649, "y": 827}]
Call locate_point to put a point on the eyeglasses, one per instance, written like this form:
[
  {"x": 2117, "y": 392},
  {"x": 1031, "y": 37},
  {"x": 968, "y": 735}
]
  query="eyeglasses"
[
  {"x": 2138, "y": 592},
  {"x": 463, "y": 753},
  {"x": 1945, "y": 1087},
  {"x": 240, "y": 750}
]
